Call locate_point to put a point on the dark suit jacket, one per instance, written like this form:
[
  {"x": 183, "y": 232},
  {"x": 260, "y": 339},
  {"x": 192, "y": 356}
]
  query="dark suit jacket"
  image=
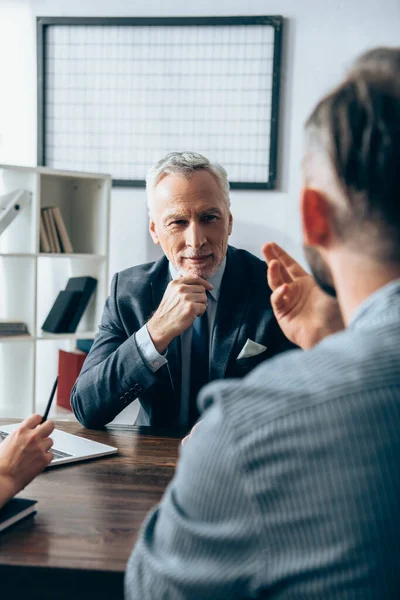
[{"x": 114, "y": 373}]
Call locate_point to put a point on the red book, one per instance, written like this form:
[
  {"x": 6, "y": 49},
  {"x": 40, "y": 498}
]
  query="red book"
[{"x": 69, "y": 367}]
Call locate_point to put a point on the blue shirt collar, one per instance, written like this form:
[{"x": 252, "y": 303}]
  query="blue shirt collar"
[
  {"x": 376, "y": 306},
  {"x": 215, "y": 280}
]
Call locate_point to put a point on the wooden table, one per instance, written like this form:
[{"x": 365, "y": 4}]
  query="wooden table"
[{"x": 88, "y": 518}]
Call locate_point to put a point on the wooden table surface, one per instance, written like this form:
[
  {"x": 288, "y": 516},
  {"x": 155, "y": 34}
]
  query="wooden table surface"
[{"x": 89, "y": 515}]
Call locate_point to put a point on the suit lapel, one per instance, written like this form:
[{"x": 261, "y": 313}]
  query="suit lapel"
[
  {"x": 159, "y": 283},
  {"x": 232, "y": 304}
]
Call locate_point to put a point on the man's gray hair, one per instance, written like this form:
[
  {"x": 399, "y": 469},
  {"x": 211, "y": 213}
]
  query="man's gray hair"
[{"x": 185, "y": 164}]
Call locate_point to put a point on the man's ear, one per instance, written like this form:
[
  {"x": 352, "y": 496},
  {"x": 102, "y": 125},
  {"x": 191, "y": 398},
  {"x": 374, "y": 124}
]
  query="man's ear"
[
  {"x": 315, "y": 217},
  {"x": 153, "y": 232},
  {"x": 230, "y": 223}
]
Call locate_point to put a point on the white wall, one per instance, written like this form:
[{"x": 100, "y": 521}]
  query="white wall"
[{"x": 321, "y": 39}]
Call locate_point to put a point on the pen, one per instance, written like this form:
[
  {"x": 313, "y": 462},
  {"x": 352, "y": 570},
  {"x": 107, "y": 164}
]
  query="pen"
[{"x": 53, "y": 391}]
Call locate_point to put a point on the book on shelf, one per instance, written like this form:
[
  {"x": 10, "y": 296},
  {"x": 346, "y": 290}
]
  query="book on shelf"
[
  {"x": 44, "y": 236},
  {"x": 11, "y": 205},
  {"x": 15, "y": 510},
  {"x": 59, "y": 317},
  {"x": 10, "y": 328},
  {"x": 53, "y": 232},
  {"x": 50, "y": 228},
  {"x": 62, "y": 232},
  {"x": 70, "y": 305},
  {"x": 84, "y": 345},
  {"x": 70, "y": 364},
  {"x": 86, "y": 287}
]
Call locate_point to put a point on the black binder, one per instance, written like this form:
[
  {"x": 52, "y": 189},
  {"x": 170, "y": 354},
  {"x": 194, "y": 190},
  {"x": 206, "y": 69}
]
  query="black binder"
[
  {"x": 70, "y": 305},
  {"x": 62, "y": 311},
  {"x": 85, "y": 286}
]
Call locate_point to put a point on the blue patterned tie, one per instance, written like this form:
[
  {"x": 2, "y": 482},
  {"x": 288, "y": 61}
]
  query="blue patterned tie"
[{"x": 199, "y": 363}]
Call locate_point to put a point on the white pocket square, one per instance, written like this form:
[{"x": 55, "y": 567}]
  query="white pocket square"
[{"x": 251, "y": 349}]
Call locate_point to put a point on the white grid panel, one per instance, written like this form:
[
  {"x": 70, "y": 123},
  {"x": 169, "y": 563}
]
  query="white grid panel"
[{"x": 117, "y": 98}]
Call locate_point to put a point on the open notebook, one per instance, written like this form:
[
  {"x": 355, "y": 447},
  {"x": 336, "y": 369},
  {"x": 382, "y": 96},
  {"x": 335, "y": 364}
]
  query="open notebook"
[{"x": 67, "y": 448}]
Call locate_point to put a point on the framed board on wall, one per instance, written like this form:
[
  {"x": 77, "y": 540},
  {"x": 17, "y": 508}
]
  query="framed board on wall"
[{"x": 116, "y": 94}]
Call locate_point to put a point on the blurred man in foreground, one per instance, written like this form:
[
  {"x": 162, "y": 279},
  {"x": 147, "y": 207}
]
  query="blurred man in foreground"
[{"x": 298, "y": 496}]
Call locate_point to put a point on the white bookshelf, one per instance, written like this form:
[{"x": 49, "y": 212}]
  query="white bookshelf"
[{"x": 30, "y": 280}]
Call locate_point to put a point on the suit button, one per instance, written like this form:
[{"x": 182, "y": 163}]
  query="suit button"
[
  {"x": 127, "y": 398},
  {"x": 138, "y": 388}
]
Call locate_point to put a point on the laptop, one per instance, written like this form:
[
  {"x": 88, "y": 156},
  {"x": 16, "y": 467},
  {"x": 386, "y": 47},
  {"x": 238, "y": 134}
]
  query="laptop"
[{"x": 67, "y": 448}]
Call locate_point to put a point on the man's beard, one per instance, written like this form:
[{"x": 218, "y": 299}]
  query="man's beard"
[
  {"x": 320, "y": 271},
  {"x": 203, "y": 272}
]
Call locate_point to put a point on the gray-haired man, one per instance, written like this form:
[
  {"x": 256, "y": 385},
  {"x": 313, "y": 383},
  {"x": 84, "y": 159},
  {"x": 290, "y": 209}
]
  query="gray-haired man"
[{"x": 200, "y": 313}]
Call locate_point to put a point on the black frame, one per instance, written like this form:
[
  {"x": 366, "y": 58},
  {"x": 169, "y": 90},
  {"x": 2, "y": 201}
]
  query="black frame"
[{"x": 276, "y": 22}]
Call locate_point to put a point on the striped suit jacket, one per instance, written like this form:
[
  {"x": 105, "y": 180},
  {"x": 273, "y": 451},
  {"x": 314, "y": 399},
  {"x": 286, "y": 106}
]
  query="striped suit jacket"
[{"x": 297, "y": 495}]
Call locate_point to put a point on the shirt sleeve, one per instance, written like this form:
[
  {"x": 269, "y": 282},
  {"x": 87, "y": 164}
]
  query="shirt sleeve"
[
  {"x": 151, "y": 357},
  {"x": 202, "y": 540}
]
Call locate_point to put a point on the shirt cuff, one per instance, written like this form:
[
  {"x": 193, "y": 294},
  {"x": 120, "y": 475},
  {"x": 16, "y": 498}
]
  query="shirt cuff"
[{"x": 151, "y": 357}]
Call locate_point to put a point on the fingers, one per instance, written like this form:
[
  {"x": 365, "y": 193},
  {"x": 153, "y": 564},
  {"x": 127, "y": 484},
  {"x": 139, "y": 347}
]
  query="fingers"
[
  {"x": 272, "y": 250},
  {"x": 196, "y": 280},
  {"x": 38, "y": 431},
  {"x": 200, "y": 308},
  {"x": 192, "y": 289},
  {"x": 34, "y": 421},
  {"x": 277, "y": 275},
  {"x": 199, "y": 298},
  {"x": 280, "y": 299},
  {"x": 45, "y": 429},
  {"x": 269, "y": 252},
  {"x": 194, "y": 295},
  {"x": 47, "y": 443},
  {"x": 49, "y": 457},
  {"x": 285, "y": 298},
  {"x": 31, "y": 422}
]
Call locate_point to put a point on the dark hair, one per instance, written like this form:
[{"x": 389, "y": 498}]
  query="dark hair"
[{"x": 360, "y": 123}]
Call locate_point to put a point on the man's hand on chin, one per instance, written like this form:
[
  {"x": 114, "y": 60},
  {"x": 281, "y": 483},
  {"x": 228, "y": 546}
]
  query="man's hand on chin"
[
  {"x": 183, "y": 301},
  {"x": 304, "y": 312}
]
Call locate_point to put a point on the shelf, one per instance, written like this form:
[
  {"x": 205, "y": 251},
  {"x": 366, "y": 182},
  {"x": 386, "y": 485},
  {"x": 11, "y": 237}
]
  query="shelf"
[
  {"x": 78, "y": 335},
  {"x": 84, "y": 335},
  {"x": 52, "y": 255},
  {"x": 17, "y": 255},
  {"x": 71, "y": 255},
  {"x": 71, "y": 174},
  {"x": 30, "y": 280},
  {"x": 17, "y": 338}
]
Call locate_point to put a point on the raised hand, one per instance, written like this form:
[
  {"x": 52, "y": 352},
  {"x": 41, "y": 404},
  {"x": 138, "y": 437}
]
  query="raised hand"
[
  {"x": 23, "y": 455},
  {"x": 304, "y": 312},
  {"x": 184, "y": 300}
]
